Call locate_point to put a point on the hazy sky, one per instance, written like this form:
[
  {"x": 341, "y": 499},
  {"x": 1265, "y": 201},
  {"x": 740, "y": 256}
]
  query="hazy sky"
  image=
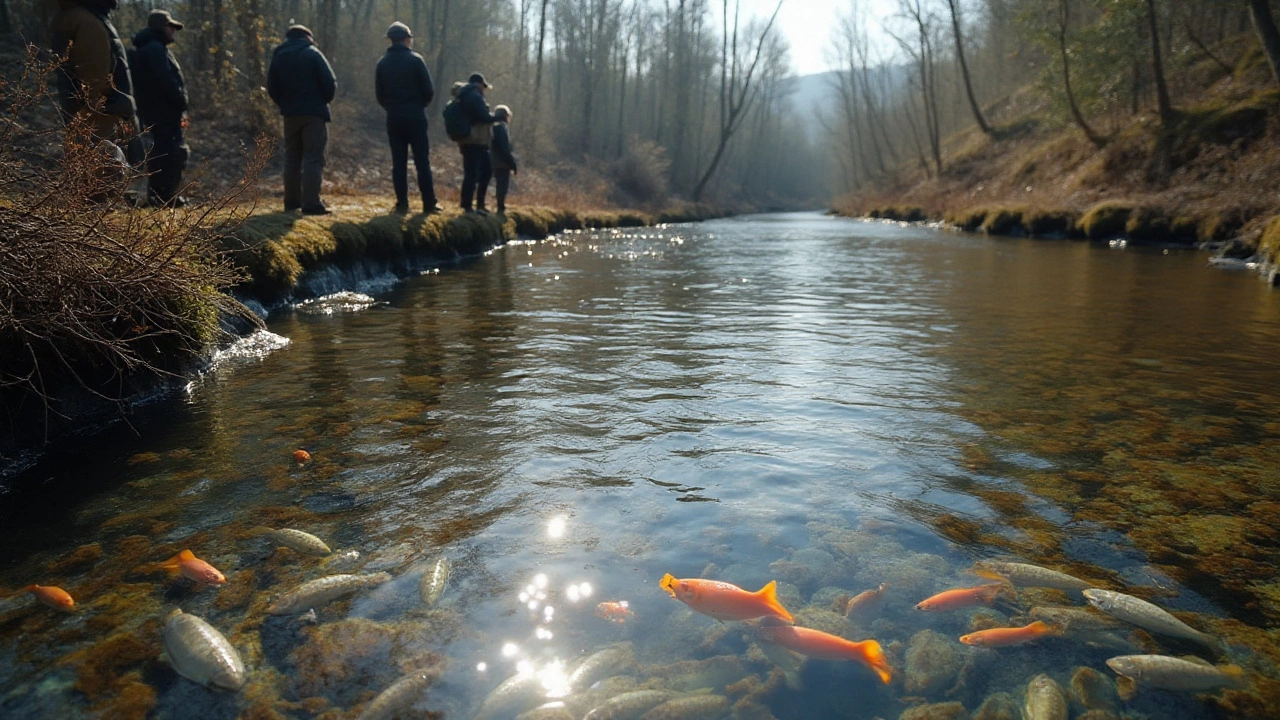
[{"x": 806, "y": 24}]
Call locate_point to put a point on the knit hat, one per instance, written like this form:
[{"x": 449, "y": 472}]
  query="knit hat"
[{"x": 502, "y": 111}]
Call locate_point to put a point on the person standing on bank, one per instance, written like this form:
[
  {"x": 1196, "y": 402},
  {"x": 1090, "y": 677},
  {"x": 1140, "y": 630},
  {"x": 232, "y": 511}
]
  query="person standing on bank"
[
  {"x": 504, "y": 163},
  {"x": 477, "y": 166},
  {"x": 302, "y": 84},
  {"x": 161, "y": 92},
  {"x": 93, "y": 77},
  {"x": 403, "y": 87}
]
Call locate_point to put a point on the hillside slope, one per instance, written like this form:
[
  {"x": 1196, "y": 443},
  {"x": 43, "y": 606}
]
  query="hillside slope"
[{"x": 1213, "y": 176}]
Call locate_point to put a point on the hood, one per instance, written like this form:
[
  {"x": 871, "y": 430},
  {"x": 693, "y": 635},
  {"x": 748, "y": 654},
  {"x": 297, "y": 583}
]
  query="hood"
[
  {"x": 293, "y": 46},
  {"x": 467, "y": 89},
  {"x": 145, "y": 36}
]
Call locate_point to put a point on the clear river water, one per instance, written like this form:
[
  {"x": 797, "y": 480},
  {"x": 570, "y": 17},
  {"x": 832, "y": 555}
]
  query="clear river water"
[{"x": 825, "y": 403}]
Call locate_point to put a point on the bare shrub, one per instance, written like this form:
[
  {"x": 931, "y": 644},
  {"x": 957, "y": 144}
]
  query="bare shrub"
[
  {"x": 641, "y": 173},
  {"x": 96, "y": 294}
]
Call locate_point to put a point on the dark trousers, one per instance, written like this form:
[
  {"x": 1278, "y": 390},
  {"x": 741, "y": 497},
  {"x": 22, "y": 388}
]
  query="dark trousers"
[
  {"x": 165, "y": 163},
  {"x": 477, "y": 170},
  {"x": 305, "y": 137},
  {"x": 501, "y": 181},
  {"x": 406, "y": 131}
]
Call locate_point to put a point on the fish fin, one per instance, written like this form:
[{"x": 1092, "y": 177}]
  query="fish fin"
[
  {"x": 668, "y": 583},
  {"x": 174, "y": 563},
  {"x": 186, "y": 555},
  {"x": 769, "y": 593},
  {"x": 874, "y": 656},
  {"x": 1126, "y": 687},
  {"x": 1044, "y": 628},
  {"x": 989, "y": 574},
  {"x": 29, "y": 588}
]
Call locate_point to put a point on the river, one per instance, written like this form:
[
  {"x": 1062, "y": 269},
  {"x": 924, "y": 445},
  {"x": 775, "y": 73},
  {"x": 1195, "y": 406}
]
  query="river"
[{"x": 828, "y": 403}]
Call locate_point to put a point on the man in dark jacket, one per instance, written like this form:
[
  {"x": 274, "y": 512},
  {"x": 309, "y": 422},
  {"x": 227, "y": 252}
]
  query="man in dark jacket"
[
  {"x": 477, "y": 166},
  {"x": 403, "y": 88},
  {"x": 93, "y": 79},
  {"x": 161, "y": 93},
  {"x": 504, "y": 162},
  {"x": 302, "y": 85}
]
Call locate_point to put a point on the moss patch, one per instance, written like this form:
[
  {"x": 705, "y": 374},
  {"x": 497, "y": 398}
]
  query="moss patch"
[{"x": 1105, "y": 220}]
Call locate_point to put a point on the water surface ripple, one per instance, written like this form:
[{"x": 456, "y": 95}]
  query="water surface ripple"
[{"x": 829, "y": 403}]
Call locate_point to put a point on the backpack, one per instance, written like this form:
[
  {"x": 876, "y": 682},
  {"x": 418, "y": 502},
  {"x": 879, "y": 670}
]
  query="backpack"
[{"x": 456, "y": 123}]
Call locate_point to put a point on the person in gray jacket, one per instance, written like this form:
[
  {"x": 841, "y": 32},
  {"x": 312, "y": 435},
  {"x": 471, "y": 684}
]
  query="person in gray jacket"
[
  {"x": 403, "y": 87},
  {"x": 302, "y": 84}
]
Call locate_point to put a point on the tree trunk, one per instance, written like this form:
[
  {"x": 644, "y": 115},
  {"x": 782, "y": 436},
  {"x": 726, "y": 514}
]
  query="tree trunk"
[
  {"x": 1157, "y": 68},
  {"x": 1076, "y": 115},
  {"x": 1265, "y": 24},
  {"x": 537, "y": 79},
  {"x": 964, "y": 71}
]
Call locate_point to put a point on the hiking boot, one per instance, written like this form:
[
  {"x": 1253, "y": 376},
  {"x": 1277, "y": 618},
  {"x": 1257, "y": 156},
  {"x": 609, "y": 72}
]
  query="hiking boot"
[
  {"x": 401, "y": 209},
  {"x": 432, "y": 208},
  {"x": 481, "y": 211},
  {"x": 317, "y": 210}
]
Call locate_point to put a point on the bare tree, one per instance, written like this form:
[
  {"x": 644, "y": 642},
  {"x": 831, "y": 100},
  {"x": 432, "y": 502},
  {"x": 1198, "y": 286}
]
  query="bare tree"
[
  {"x": 736, "y": 89},
  {"x": 964, "y": 69},
  {"x": 1063, "y": 22}
]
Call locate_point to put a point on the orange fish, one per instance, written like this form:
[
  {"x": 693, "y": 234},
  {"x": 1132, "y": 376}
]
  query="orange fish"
[
  {"x": 824, "y": 646},
  {"x": 866, "y": 604},
  {"x": 617, "y": 612},
  {"x": 1004, "y": 637},
  {"x": 301, "y": 456},
  {"x": 723, "y": 601},
  {"x": 54, "y": 597},
  {"x": 961, "y": 598},
  {"x": 194, "y": 568}
]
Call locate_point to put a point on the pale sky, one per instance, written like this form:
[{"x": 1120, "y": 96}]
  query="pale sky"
[{"x": 806, "y": 24}]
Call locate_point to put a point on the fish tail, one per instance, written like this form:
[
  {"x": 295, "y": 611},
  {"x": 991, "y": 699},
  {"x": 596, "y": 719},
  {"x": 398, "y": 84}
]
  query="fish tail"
[
  {"x": 1044, "y": 628},
  {"x": 668, "y": 583},
  {"x": 873, "y": 655},
  {"x": 1236, "y": 674},
  {"x": 989, "y": 574},
  {"x": 175, "y": 562},
  {"x": 260, "y": 530},
  {"x": 769, "y": 594}
]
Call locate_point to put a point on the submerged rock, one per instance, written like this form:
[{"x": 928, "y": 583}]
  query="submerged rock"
[
  {"x": 698, "y": 707},
  {"x": 1094, "y": 690},
  {"x": 715, "y": 673},
  {"x": 933, "y": 663},
  {"x": 936, "y": 711},
  {"x": 998, "y": 706}
]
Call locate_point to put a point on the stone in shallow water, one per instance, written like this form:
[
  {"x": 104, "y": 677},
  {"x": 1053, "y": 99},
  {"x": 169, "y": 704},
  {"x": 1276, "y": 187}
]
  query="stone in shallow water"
[
  {"x": 999, "y": 706},
  {"x": 933, "y": 663},
  {"x": 936, "y": 711}
]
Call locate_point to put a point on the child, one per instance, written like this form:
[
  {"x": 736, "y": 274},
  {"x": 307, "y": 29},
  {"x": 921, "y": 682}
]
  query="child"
[{"x": 504, "y": 163}]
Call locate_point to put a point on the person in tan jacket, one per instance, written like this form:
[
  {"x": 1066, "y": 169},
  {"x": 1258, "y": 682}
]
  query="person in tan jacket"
[{"x": 93, "y": 77}]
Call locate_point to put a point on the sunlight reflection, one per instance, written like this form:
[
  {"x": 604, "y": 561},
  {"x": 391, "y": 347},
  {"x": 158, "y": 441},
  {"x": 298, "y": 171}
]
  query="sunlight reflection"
[
  {"x": 554, "y": 679},
  {"x": 555, "y": 528},
  {"x": 510, "y": 649}
]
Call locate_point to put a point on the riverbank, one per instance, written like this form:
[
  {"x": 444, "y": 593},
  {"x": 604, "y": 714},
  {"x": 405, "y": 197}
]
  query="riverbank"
[
  {"x": 1192, "y": 179},
  {"x": 287, "y": 257},
  {"x": 282, "y": 259}
]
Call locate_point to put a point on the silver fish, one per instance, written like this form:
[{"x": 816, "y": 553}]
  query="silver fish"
[
  {"x": 1045, "y": 699},
  {"x": 1026, "y": 575},
  {"x": 611, "y": 660},
  {"x": 698, "y": 707},
  {"x": 1073, "y": 620},
  {"x": 511, "y": 697},
  {"x": 434, "y": 580},
  {"x": 551, "y": 711},
  {"x": 1171, "y": 673},
  {"x": 198, "y": 652},
  {"x": 630, "y": 705},
  {"x": 323, "y": 591},
  {"x": 1145, "y": 615},
  {"x": 398, "y": 699},
  {"x": 298, "y": 541}
]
